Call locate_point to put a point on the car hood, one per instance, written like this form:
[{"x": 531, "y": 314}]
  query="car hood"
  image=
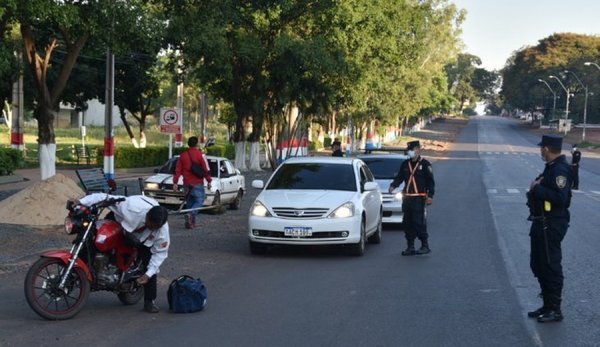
[
  {"x": 383, "y": 184},
  {"x": 305, "y": 198},
  {"x": 162, "y": 179}
]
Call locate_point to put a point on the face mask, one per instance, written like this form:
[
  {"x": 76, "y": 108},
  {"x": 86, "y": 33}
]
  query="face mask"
[{"x": 411, "y": 154}]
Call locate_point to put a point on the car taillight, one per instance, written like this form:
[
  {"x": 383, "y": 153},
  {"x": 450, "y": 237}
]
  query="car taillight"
[{"x": 69, "y": 226}]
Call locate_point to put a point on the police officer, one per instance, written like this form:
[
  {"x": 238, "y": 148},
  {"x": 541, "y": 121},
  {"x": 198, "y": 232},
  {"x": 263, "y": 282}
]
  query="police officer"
[
  {"x": 576, "y": 157},
  {"x": 549, "y": 198},
  {"x": 419, "y": 187}
]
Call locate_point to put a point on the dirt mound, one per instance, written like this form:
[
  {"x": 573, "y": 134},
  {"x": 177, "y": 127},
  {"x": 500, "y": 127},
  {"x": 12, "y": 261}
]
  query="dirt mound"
[{"x": 40, "y": 204}]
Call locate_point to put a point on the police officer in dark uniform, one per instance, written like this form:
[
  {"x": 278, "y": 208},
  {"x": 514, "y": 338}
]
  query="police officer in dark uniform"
[
  {"x": 419, "y": 187},
  {"x": 576, "y": 157},
  {"x": 549, "y": 198}
]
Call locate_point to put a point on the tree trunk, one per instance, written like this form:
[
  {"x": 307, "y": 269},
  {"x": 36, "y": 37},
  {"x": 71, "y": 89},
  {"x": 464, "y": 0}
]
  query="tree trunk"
[
  {"x": 123, "y": 114},
  {"x": 254, "y": 156}
]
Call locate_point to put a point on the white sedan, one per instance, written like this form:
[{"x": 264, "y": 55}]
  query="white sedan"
[
  {"x": 227, "y": 188},
  {"x": 317, "y": 201},
  {"x": 385, "y": 167}
]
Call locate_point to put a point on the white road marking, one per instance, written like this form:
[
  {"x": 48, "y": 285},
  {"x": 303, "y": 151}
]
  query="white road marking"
[
  {"x": 512, "y": 191},
  {"x": 492, "y": 191}
]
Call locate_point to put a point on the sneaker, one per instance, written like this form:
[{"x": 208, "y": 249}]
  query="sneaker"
[{"x": 150, "y": 307}]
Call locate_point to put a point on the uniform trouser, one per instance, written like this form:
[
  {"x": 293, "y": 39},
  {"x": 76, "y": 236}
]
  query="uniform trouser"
[
  {"x": 546, "y": 257},
  {"x": 575, "y": 169},
  {"x": 414, "y": 223},
  {"x": 150, "y": 287},
  {"x": 195, "y": 199}
]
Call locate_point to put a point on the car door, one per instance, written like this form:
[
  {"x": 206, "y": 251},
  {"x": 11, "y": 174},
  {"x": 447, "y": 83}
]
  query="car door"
[
  {"x": 227, "y": 176},
  {"x": 371, "y": 199}
]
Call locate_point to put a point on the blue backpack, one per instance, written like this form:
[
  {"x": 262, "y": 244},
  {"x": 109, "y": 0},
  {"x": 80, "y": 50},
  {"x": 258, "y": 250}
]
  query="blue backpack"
[{"x": 186, "y": 295}]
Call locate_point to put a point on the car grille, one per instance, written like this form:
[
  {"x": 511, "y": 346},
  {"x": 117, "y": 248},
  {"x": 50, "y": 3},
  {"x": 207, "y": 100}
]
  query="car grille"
[
  {"x": 387, "y": 198},
  {"x": 300, "y": 213},
  {"x": 281, "y": 235}
]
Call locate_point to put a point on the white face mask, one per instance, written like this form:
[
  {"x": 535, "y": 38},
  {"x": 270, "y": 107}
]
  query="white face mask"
[{"x": 411, "y": 154}]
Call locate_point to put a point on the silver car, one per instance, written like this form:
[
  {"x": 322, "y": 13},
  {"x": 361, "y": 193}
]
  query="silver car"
[{"x": 385, "y": 167}]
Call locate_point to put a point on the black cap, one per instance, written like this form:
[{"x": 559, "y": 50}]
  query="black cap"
[
  {"x": 551, "y": 141},
  {"x": 412, "y": 144}
]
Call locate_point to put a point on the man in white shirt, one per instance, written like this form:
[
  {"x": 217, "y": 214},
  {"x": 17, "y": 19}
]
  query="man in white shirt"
[{"x": 146, "y": 221}]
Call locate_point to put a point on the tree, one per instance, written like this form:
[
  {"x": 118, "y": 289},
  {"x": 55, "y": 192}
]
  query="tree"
[{"x": 552, "y": 55}]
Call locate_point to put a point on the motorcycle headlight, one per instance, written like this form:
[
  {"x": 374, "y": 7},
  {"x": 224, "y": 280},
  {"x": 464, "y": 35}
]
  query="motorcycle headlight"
[
  {"x": 69, "y": 226},
  {"x": 153, "y": 186},
  {"x": 344, "y": 211},
  {"x": 259, "y": 210}
]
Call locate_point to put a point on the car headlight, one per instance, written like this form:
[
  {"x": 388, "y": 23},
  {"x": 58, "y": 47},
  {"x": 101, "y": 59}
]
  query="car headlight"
[
  {"x": 398, "y": 196},
  {"x": 259, "y": 210},
  {"x": 153, "y": 186},
  {"x": 344, "y": 211}
]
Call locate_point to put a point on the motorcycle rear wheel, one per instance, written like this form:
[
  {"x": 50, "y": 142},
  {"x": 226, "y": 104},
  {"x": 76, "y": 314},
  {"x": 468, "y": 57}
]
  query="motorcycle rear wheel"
[
  {"x": 44, "y": 296},
  {"x": 131, "y": 298}
]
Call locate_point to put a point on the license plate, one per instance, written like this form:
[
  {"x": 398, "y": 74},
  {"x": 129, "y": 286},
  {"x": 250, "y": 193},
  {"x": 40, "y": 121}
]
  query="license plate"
[{"x": 297, "y": 231}]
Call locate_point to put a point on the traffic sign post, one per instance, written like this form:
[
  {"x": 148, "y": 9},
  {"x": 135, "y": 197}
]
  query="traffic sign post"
[{"x": 171, "y": 123}]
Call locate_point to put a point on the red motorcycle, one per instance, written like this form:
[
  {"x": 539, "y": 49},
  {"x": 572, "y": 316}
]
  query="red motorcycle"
[{"x": 58, "y": 284}]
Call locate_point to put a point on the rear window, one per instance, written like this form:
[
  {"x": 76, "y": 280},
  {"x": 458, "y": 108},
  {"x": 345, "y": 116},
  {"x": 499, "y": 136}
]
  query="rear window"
[
  {"x": 383, "y": 168},
  {"x": 314, "y": 176}
]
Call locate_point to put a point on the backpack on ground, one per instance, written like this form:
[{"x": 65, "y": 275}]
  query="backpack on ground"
[{"x": 187, "y": 294}]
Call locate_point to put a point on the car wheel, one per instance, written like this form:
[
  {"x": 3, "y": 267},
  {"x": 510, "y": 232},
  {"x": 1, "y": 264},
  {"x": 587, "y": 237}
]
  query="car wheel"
[
  {"x": 358, "y": 249},
  {"x": 216, "y": 204},
  {"x": 235, "y": 204},
  {"x": 258, "y": 248},
  {"x": 376, "y": 237}
]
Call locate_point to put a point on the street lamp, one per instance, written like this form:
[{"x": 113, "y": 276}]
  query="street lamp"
[
  {"x": 585, "y": 88},
  {"x": 553, "y": 94},
  {"x": 568, "y": 96}
]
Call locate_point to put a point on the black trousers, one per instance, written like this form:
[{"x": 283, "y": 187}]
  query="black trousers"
[
  {"x": 414, "y": 223},
  {"x": 546, "y": 256},
  {"x": 575, "y": 169},
  {"x": 150, "y": 287}
]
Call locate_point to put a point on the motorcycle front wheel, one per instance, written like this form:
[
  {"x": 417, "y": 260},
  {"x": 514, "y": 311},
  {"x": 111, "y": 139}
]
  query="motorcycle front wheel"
[{"x": 44, "y": 295}]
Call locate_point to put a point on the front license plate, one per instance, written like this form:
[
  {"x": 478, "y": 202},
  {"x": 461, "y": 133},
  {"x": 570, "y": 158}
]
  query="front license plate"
[{"x": 297, "y": 231}]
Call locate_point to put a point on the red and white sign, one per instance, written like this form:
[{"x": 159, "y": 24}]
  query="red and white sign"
[{"x": 171, "y": 120}]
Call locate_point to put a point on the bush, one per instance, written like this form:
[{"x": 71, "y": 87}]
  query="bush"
[
  {"x": 10, "y": 160},
  {"x": 327, "y": 142}
]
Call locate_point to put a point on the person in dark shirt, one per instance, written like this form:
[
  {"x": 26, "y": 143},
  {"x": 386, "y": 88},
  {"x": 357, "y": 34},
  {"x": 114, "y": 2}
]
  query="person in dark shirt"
[
  {"x": 575, "y": 158},
  {"x": 419, "y": 187},
  {"x": 336, "y": 148},
  {"x": 549, "y": 198}
]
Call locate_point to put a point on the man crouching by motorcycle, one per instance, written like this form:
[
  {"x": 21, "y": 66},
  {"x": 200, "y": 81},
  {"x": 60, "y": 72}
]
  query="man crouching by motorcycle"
[{"x": 145, "y": 225}]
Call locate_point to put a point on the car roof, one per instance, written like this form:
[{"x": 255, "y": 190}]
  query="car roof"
[
  {"x": 320, "y": 159},
  {"x": 383, "y": 155},
  {"x": 208, "y": 157}
]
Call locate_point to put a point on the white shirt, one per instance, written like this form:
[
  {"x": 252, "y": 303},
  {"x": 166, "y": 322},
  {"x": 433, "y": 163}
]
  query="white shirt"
[{"x": 131, "y": 214}]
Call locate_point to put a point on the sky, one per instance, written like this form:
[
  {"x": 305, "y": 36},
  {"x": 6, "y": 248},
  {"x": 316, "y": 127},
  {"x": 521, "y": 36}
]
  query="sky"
[{"x": 494, "y": 29}]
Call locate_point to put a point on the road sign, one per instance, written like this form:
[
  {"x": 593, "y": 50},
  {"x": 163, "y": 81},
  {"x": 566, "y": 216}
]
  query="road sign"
[{"x": 171, "y": 120}]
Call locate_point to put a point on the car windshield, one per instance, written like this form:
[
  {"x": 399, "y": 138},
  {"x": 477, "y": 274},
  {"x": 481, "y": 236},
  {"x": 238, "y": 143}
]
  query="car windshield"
[
  {"x": 314, "y": 176},
  {"x": 383, "y": 168}
]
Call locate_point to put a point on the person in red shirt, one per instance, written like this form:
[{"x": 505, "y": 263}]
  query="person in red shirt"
[{"x": 193, "y": 184}]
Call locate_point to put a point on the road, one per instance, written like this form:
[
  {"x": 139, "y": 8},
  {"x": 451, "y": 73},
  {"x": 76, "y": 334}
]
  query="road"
[{"x": 473, "y": 290}]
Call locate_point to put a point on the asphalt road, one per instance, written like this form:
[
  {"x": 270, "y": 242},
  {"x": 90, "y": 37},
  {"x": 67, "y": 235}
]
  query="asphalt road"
[{"x": 473, "y": 290}]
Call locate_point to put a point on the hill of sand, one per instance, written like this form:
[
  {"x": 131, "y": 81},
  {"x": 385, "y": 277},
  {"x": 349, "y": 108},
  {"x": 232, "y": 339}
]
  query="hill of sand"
[{"x": 40, "y": 204}]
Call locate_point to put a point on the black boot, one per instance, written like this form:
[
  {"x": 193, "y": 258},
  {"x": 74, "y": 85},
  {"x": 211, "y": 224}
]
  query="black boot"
[
  {"x": 553, "y": 313},
  {"x": 150, "y": 307},
  {"x": 424, "y": 248},
  {"x": 540, "y": 311},
  {"x": 410, "y": 249}
]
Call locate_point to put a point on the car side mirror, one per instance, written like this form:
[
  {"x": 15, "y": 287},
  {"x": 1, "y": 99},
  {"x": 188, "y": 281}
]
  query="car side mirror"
[
  {"x": 370, "y": 186},
  {"x": 258, "y": 184}
]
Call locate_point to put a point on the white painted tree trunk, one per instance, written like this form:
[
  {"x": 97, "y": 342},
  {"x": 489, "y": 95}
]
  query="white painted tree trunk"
[
  {"x": 254, "y": 156},
  {"x": 47, "y": 158},
  {"x": 240, "y": 156}
]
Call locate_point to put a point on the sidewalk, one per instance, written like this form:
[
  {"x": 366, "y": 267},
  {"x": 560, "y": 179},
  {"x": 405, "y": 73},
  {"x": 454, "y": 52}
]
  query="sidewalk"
[{"x": 24, "y": 178}]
